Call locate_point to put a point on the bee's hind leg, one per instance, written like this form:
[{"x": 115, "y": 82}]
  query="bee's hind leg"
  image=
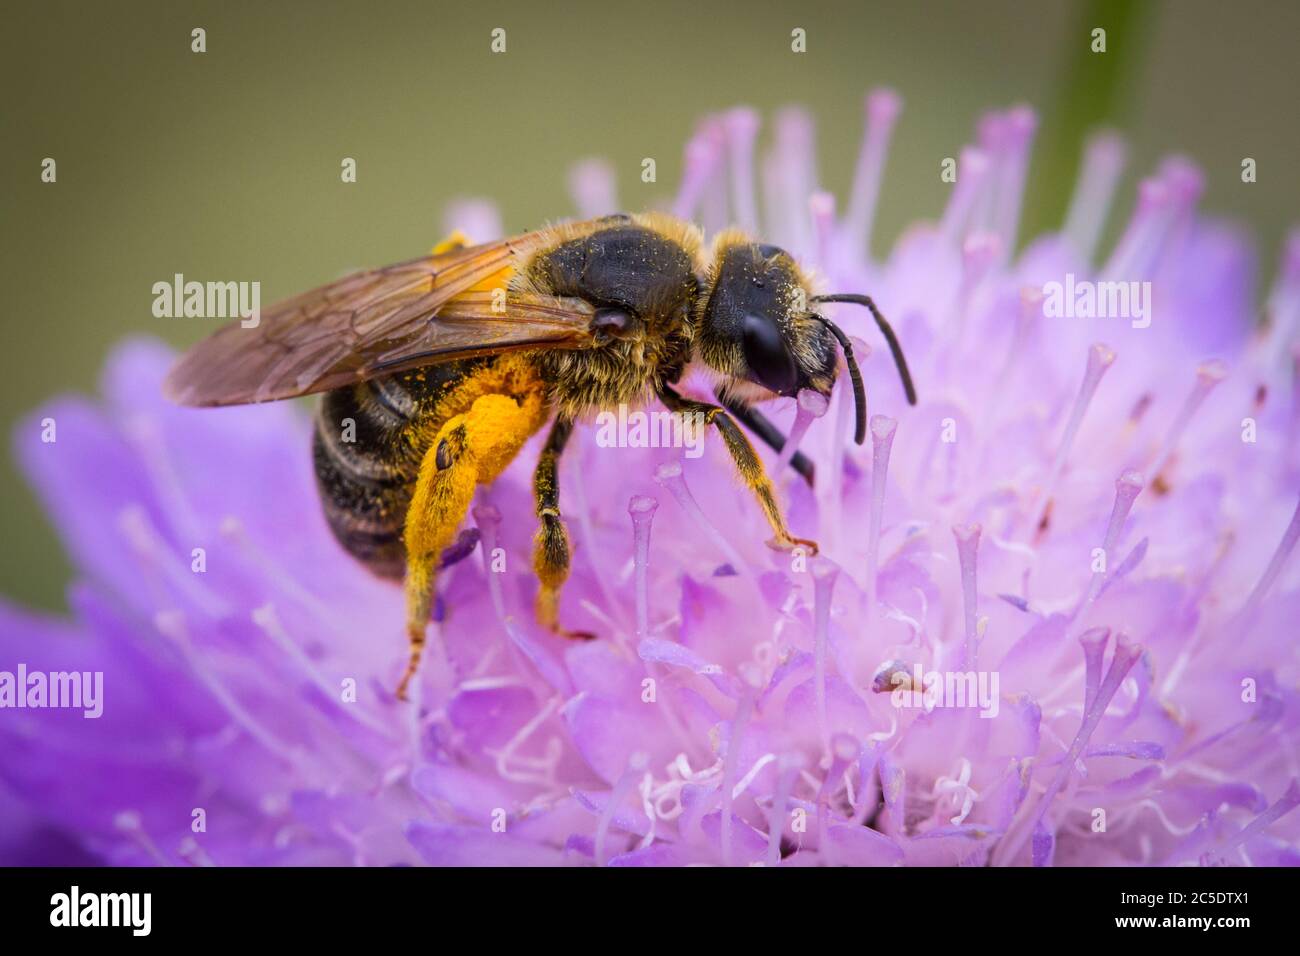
[
  {"x": 469, "y": 450},
  {"x": 551, "y": 546}
]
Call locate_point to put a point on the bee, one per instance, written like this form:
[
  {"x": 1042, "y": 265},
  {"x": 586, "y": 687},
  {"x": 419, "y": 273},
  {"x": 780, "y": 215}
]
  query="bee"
[{"x": 438, "y": 370}]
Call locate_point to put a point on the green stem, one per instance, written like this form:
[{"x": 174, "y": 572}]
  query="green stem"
[{"x": 1092, "y": 92}]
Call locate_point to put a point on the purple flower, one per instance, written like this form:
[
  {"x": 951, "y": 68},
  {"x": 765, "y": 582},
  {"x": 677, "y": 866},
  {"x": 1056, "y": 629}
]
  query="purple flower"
[{"x": 1081, "y": 533}]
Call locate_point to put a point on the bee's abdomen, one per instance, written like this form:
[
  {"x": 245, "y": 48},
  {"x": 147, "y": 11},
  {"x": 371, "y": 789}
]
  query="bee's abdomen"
[
  {"x": 367, "y": 449},
  {"x": 363, "y": 488}
]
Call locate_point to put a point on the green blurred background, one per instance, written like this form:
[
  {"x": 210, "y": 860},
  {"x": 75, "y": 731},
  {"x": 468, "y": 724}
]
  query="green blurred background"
[{"x": 225, "y": 165}]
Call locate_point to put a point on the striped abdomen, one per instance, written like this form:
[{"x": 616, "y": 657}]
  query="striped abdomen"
[{"x": 369, "y": 441}]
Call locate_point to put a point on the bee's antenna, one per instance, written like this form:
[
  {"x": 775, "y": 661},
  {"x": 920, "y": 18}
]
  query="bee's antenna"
[
  {"x": 855, "y": 376},
  {"x": 895, "y": 349}
]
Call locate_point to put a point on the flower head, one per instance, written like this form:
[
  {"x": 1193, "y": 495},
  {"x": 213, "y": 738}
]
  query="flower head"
[{"x": 1083, "y": 531}]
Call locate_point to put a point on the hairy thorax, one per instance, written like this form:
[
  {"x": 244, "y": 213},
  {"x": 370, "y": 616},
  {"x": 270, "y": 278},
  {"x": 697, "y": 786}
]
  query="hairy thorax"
[
  {"x": 640, "y": 272},
  {"x": 628, "y": 371}
]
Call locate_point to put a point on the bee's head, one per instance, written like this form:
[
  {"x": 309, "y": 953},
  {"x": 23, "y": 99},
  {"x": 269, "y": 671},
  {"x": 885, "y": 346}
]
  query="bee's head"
[{"x": 757, "y": 328}]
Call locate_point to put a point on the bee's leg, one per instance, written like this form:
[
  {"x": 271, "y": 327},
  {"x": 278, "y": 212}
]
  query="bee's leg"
[
  {"x": 747, "y": 463},
  {"x": 469, "y": 450},
  {"x": 769, "y": 435},
  {"x": 551, "y": 546}
]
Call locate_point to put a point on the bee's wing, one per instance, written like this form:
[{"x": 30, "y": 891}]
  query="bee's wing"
[{"x": 435, "y": 309}]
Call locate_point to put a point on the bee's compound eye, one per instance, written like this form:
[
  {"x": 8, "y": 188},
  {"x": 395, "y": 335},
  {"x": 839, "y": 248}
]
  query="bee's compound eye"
[
  {"x": 443, "y": 456},
  {"x": 769, "y": 361}
]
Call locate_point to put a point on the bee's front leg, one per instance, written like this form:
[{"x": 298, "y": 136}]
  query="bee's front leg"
[
  {"x": 748, "y": 465},
  {"x": 768, "y": 434}
]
